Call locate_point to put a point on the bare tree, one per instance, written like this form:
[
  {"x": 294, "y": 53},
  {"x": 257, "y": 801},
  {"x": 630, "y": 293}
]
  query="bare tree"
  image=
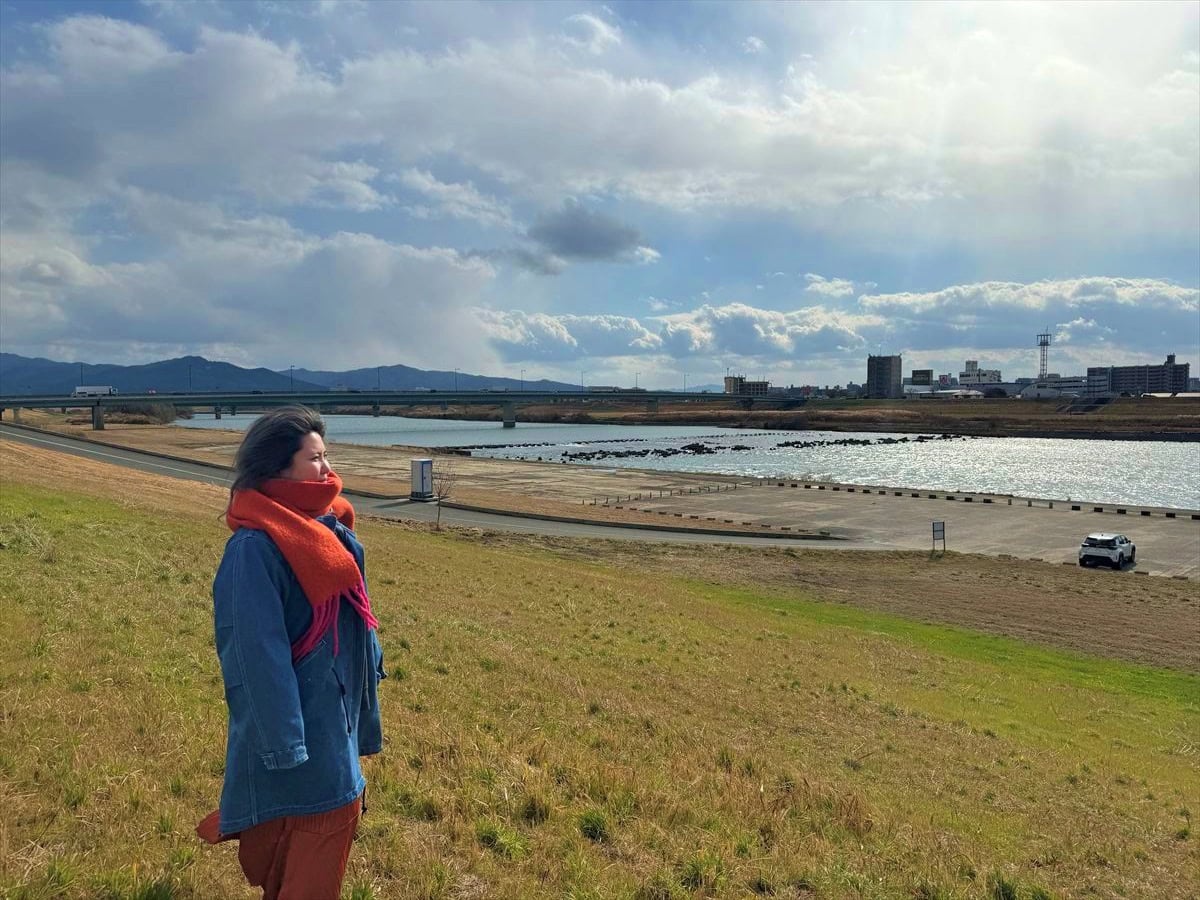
[{"x": 445, "y": 476}]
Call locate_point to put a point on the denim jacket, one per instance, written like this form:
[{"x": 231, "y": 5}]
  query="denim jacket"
[{"x": 296, "y": 730}]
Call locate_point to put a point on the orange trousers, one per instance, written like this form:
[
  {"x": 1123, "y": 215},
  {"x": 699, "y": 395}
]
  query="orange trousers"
[{"x": 300, "y": 857}]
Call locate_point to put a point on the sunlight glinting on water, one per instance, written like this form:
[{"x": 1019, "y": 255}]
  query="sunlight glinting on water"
[{"x": 1150, "y": 473}]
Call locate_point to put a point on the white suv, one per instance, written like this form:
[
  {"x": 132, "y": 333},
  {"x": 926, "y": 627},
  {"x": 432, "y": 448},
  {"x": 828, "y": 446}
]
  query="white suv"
[{"x": 1114, "y": 549}]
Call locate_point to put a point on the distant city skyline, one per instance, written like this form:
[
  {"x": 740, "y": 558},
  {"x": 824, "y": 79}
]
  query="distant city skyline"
[{"x": 615, "y": 192}]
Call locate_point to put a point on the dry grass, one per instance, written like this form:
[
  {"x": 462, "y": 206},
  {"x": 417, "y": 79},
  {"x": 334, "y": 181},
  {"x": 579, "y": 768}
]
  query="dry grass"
[
  {"x": 1152, "y": 621},
  {"x": 511, "y": 485},
  {"x": 982, "y": 417},
  {"x": 559, "y": 727}
]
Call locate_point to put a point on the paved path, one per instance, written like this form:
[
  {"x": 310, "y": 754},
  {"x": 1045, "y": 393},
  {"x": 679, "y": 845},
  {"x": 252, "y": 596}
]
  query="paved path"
[
  {"x": 403, "y": 509},
  {"x": 1165, "y": 546}
]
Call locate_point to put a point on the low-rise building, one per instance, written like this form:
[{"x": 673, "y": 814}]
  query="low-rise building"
[
  {"x": 952, "y": 394},
  {"x": 738, "y": 384},
  {"x": 1053, "y": 386},
  {"x": 973, "y": 376}
]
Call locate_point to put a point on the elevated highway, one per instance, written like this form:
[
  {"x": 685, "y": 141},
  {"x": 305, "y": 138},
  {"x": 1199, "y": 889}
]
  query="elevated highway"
[{"x": 508, "y": 401}]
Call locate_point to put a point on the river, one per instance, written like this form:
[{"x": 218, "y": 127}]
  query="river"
[{"x": 1146, "y": 473}]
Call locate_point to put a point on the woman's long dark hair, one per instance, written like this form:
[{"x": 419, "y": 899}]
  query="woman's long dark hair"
[{"x": 270, "y": 443}]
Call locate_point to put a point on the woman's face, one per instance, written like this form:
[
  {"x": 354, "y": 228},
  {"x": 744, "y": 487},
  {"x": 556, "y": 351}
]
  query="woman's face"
[{"x": 309, "y": 463}]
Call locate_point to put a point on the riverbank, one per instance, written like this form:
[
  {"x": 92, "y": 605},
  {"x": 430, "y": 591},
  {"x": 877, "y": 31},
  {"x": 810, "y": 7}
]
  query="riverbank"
[
  {"x": 515, "y": 486},
  {"x": 1123, "y": 419},
  {"x": 1029, "y": 529},
  {"x": 571, "y": 718}
]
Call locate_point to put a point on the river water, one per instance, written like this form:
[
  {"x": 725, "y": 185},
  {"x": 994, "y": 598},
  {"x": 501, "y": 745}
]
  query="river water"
[{"x": 1148, "y": 473}]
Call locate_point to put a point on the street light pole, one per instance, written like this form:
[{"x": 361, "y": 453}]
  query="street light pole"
[
  {"x": 685, "y": 382},
  {"x": 522, "y": 379},
  {"x": 635, "y": 380},
  {"x": 291, "y": 380},
  {"x": 378, "y": 379},
  {"x": 456, "y": 380}
]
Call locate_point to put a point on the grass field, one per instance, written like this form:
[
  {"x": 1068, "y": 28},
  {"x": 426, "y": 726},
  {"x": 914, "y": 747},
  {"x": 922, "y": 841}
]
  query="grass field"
[
  {"x": 558, "y": 727},
  {"x": 991, "y": 417}
]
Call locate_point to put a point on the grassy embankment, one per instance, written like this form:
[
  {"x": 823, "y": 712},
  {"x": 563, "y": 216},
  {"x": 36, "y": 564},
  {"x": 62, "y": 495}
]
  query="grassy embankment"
[
  {"x": 562, "y": 728},
  {"x": 989, "y": 417},
  {"x": 1143, "y": 418}
]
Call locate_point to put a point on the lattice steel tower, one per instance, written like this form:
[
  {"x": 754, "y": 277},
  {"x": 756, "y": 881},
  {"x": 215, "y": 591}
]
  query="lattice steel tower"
[{"x": 1044, "y": 347}]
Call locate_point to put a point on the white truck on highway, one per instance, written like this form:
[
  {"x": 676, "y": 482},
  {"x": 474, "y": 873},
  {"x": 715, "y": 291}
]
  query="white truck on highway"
[{"x": 94, "y": 390}]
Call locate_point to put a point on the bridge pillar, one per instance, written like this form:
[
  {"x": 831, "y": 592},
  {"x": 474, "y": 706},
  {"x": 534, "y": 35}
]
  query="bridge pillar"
[
  {"x": 510, "y": 415},
  {"x": 651, "y": 406},
  {"x": 375, "y": 410},
  {"x": 216, "y": 412},
  {"x": 97, "y": 418},
  {"x": 16, "y": 415}
]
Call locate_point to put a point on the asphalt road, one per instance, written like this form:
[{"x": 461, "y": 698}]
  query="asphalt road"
[{"x": 404, "y": 509}]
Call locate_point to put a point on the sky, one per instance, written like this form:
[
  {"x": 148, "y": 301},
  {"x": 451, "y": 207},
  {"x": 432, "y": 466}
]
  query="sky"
[{"x": 609, "y": 192}]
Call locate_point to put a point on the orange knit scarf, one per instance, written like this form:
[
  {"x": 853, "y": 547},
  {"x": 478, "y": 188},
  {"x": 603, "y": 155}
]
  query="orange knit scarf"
[{"x": 286, "y": 510}]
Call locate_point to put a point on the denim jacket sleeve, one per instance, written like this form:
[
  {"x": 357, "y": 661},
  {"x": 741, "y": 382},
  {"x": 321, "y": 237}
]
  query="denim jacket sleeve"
[{"x": 256, "y": 653}]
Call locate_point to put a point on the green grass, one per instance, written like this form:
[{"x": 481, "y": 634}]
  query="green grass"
[
  {"x": 566, "y": 729},
  {"x": 1027, "y": 660}
]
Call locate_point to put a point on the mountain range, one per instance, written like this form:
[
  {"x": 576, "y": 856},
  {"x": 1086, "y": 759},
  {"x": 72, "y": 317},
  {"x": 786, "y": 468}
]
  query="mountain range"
[{"x": 23, "y": 375}]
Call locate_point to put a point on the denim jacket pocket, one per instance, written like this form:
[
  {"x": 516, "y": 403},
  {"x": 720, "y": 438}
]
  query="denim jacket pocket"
[
  {"x": 311, "y": 656},
  {"x": 342, "y": 697}
]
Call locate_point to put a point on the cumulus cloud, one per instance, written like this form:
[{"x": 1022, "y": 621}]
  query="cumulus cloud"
[
  {"x": 995, "y": 321},
  {"x": 1065, "y": 332},
  {"x": 748, "y": 331},
  {"x": 257, "y": 283},
  {"x": 736, "y": 330},
  {"x": 574, "y": 232},
  {"x": 90, "y": 46},
  {"x": 938, "y": 136},
  {"x": 536, "y": 261},
  {"x": 152, "y": 184},
  {"x": 829, "y": 287},
  {"x": 459, "y": 201},
  {"x": 590, "y": 33},
  {"x": 538, "y": 336},
  {"x": 1142, "y": 293},
  {"x": 324, "y": 185},
  {"x": 753, "y": 45},
  {"x": 1148, "y": 314},
  {"x": 646, "y": 255}
]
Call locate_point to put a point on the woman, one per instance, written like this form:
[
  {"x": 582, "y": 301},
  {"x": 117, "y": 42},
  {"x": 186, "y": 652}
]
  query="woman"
[{"x": 301, "y": 663}]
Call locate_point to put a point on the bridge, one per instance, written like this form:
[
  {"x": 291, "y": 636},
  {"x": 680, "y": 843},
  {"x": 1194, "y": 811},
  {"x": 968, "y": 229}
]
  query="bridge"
[{"x": 221, "y": 401}]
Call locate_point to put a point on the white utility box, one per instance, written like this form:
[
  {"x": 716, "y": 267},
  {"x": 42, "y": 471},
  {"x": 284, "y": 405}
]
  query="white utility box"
[{"x": 422, "y": 479}]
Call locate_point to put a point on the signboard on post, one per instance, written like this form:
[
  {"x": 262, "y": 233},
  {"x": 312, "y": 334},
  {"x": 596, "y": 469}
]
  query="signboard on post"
[{"x": 939, "y": 534}]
